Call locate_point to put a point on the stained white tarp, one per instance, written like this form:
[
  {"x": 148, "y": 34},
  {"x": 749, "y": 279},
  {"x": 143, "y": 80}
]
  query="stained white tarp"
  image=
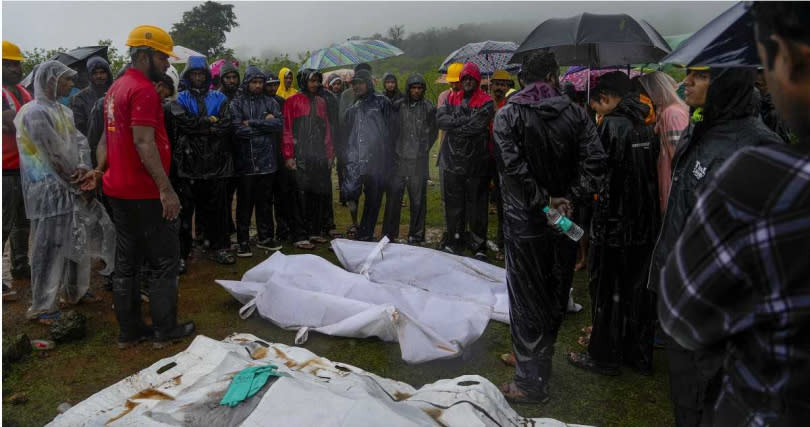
[{"x": 186, "y": 389}]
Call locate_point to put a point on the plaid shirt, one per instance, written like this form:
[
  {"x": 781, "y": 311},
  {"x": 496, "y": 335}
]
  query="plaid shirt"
[{"x": 739, "y": 280}]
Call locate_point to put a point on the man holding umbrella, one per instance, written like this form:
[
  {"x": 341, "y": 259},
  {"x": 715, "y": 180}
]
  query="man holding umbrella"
[{"x": 547, "y": 153}]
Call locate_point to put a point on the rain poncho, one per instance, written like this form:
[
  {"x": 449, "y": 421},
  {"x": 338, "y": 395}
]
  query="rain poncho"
[
  {"x": 545, "y": 146},
  {"x": 728, "y": 124},
  {"x": 203, "y": 148},
  {"x": 67, "y": 229},
  {"x": 82, "y": 104},
  {"x": 284, "y": 91},
  {"x": 256, "y": 145},
  {"x": 367, "y": 132},
  {"x": 671, "y": 121}
]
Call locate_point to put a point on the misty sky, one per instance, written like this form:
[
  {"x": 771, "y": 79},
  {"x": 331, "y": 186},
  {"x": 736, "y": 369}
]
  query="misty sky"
[{"x": 267, "y": 28}]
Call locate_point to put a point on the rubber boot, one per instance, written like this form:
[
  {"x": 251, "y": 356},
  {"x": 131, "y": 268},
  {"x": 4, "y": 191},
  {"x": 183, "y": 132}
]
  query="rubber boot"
[
  {"x": 127, "y": 301},
  {"x": 163, "y": 308}
]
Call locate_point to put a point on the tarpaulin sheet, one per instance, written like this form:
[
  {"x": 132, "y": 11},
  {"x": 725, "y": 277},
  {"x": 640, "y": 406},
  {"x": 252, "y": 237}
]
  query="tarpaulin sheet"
[{"x": 185, "y": 389}]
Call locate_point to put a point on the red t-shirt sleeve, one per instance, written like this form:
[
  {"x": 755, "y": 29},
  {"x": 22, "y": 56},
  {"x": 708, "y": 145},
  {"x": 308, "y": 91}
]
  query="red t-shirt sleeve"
[{"x": 144, "y": 103}]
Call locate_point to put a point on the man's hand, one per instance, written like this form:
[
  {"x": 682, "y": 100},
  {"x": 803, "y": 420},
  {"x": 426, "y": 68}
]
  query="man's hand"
[
  {"x": 290, "y": 163},
  {"x": 245, "y": 123},
  {"x": 269, "y": 116},
  {"x": 213, "y": 119},
  {"x": 91, "y": 180},
  {"x": 171, "y": 204},
  {"x": 78, "y": 176},
  {"x": 562, "y": 205}
]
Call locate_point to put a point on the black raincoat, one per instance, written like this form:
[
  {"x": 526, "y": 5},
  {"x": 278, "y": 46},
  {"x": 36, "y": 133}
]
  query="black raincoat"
[
  {"x": 83, "y": 102},
  {"x": 728, "y": 125},
  {"x": 771, "y": 118},
  {"x": 368, "y": 131},
  {"x": 545, "y": 145},
  {"x": 256, "y": 146},
  {"x": 416, "y": 134},
  {"x": 394, "y": 95},
  {"x": 623, "y": 229},
  {"x": 229, "y": 67},
  {"x": 203, "y": 148}
]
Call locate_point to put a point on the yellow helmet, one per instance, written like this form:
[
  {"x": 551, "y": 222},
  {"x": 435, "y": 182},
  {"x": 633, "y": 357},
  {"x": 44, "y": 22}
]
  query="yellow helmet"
[
  {"x": 501, "y": 75},
  {"x": 11, "y": 51},
  {"x": 454, "y": 72},
  {"x": 151, "y": 36}
]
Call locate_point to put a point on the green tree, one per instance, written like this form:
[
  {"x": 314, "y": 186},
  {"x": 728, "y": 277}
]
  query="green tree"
[
  {"x": 117, "y": 59},
  {"x": 36, "y": 56},
  {"x": 204, "y": 28}
]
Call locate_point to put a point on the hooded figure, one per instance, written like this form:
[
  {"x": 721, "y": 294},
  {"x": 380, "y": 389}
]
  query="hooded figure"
[
  {"x": 68, "y": 226},
  {"x": 82, "y": 104},
  {"x": 546, "y": 147},
  {"x": 625, "y": 220},
  {"x": 724, "y": 125},
  {"x": 258, "y": 123},
  {"x": 393, "y": 94},
  {"x": 307, "y": 149},
  {"x": 286, "y": 81},
  {"x": 227, "y": 87},
  {"x": 283, "y": 203},
  {"x": 416, "y": 118},
  {"x": 368, "y": 133},
  {"x": 464, "y": 162},
  {"x": 203, "y": 157}
]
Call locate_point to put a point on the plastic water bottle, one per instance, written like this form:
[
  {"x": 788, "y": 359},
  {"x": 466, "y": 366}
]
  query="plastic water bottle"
[{"x": 573, "y": 231}]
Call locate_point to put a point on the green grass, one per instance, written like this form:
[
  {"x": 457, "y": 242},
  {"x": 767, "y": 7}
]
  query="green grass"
[{"x": 74, "y": 371}]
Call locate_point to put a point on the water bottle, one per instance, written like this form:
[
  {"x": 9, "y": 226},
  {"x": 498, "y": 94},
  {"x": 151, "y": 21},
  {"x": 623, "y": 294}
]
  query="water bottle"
[{"x": 566, "y": 225}]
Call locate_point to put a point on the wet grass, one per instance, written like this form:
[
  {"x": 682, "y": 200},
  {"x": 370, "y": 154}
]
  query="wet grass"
[{"x": 74, "y": 371}]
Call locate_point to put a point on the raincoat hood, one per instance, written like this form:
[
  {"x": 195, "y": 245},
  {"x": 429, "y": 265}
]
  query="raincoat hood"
[
  {"x": 730, "y": 94},
  {"x": 50, "y": 71},
  {"x": 284, "y": 91},
  {"x": 366, "y": 77},
  {"x": 540, "y": 93},
  {"x": 96, "y": 62},
  {"x": 252, "y": 72},
  {"x": 631, "y": 107},
  {"x": 229, "y": 67},
  {"x": 196, "y": 63},
  {"x": 390, "y": 76},
  {"x": 479, "y": 97},
  {"x": 303, "y": 77},
  {"x": 415, "y": 79}
]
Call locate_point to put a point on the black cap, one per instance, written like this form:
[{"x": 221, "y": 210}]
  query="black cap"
[
  {"x": 616, "y": 83},
  {"x": 362, "y": 66}
]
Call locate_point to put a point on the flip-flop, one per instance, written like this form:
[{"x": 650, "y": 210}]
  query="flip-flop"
[
  {"x": 48, "y": 319},
  {"x": 304, "y": 244},
  {"x": 514, "y": 394},
  {"x": 586, "y": 362},
  {"x": 90, "y": 298},
  {"x": 43, "y": 345},
  {"x": 509, "y": 359},
  {"x": 318, "y": 239}
]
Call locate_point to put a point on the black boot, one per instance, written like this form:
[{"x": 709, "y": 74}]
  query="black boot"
[
  {"x": 163, "y": 308},
  {"x": 127, "y": 301}
]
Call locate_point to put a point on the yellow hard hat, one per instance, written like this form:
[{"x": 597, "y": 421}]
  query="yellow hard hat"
[
  {"x": 151, "y": 36},
  {"x": 454, "y": 72},
  {"x": 11, "y": 51},
  {"x": 501, "y": 75}
]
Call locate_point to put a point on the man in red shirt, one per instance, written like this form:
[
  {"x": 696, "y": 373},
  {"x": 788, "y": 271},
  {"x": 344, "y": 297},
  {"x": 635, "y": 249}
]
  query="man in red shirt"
[
  {"x": 144, "y": 204},
  {"x": 15, "y": 223}
]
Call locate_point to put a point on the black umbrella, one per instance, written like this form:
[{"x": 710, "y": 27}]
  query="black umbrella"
[
  {"x": 726, "y": 41},
  {"x": 77, "y": 59},
  {"x": 596, "y": 41}
]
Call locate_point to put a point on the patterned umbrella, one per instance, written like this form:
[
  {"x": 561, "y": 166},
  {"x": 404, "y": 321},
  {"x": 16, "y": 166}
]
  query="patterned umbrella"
[
  {"x": 489, "y": 56},
  {"x": 351, "y": 52},
  {"x": 579, "y": 76}
]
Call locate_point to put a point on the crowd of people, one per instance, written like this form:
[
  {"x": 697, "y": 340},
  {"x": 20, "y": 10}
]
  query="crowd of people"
[{"x": 696, "y": 206}]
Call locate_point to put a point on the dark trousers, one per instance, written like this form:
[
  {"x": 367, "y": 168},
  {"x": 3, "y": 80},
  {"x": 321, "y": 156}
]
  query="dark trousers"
[
  {"x": 537, "y": 302},
  {"x": 373, "y": 188},
  {"x": 417, "y": 195},
  {"x": 695, "y": 380},
  {"x": 623, "y": 308},
  {"x": 496, "y": 199},
  {"x": 255, "y": 191},
  {"x": 204, "y": 198},
  {"x": 465, "y": 211},
  {"x": 16, "y": 226},
  {"x": 143, "y": 235},
  {"x": 230, "y": 189},
  {"x": 284, "y": 203},
  {"x": 314, "y": 185}
]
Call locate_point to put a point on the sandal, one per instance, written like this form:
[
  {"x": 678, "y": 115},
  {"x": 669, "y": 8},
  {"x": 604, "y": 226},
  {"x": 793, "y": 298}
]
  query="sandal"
[
  {"x": 584, "y": 361},
  {"x": 335, "y": 234},
  {"x": 499, "y": 256},
  {"x": 351, "y": 232},
  {"x": 48, "y": 319},
  {"x": 584, "y": 340},
  {"x": 89, "y": 298},
  {"x": 318, "y": 239},
  {"x": 514, "y": 394},
  {"x": 304, "y": 244},
  {"x": 509, "y": 359},
  {"x": 224, "y": 257}
]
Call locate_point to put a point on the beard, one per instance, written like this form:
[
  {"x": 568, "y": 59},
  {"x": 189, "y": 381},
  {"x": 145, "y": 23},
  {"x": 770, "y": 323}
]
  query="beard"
[
  {"x": 154, "y": 74},
  {"x": 12, "y": 78}
]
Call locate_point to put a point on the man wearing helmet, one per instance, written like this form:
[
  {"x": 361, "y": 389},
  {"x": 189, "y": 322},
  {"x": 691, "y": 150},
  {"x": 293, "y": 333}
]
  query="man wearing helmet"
[{"x": 144, "y": 204}]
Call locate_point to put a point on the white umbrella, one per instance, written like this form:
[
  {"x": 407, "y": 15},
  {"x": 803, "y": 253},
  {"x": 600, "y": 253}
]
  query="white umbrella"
[{"x": 183, "y": 53}]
